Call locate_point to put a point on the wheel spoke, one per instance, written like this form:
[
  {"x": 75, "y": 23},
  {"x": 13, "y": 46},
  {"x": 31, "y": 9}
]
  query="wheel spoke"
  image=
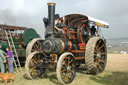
[
  {"x": 36, "y": 47},
  {"x": 39, "y": 59},
  {"x": 98, "y": 44},
  {"x": 99, "y": 66},
  {"x": 69, "y": 62},
  {"x": 69, "y": 76},
  {"x": 100, "y": 60},
  {"x": 33, "y": 50},
  {"x": 38, "y": 42},
  {"x": 103, "y": 53},
  {"x": 95, "y": 51},
  {"x": 32, "y": 68},
  {"x": 63, "y": 70},
  {"x": 100, "y": 47},
  {"x": 65, "y": 63},
  {"x": 70, "y": 71},
  {"x": 97, "y": 69},
  {"x": 34, "y": 61},
  {"x": 66, "y": 76},
  {"x": 72, "y": 66},
  {"x": 39, "y": 45}
]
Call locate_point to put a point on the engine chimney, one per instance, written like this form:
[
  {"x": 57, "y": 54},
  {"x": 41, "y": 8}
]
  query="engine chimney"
[{"x": 51, "y": 20}]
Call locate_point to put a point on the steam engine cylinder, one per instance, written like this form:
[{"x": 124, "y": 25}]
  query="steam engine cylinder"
[{"x": 56, "y": 46}]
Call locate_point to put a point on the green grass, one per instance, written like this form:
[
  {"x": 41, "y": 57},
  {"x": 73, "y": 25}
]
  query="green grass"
[{"x": 105, "y": 78}]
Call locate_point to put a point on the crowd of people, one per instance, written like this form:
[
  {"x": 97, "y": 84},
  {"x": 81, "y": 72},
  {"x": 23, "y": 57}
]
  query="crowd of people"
[{"x": 6, "y": 59}]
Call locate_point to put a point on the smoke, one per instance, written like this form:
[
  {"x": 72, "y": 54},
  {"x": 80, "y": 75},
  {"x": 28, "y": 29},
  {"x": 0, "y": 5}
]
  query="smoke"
[
  {"x": 6, "y": 16},
  {"x": 22, "y": 19},
  {"x": 29, "y": 13}
]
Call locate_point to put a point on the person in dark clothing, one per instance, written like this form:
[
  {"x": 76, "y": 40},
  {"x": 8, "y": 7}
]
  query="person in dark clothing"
[
  {"x": 46, "y": 22},
  {"x": 10, "y": 59},
  {"x": 94, "y": 31},
  {"x": 45, "y": 19},
  {"x": 57, "y": 16},
  {"x": 59, "y": 25}
]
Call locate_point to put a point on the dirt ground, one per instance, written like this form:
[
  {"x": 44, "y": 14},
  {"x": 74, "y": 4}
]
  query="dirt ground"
[
  {"x": 118, "y": 62},
  {"x": 116, "y": 73}
]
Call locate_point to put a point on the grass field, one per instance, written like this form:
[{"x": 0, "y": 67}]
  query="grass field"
[{"x": 116, "y": 73}]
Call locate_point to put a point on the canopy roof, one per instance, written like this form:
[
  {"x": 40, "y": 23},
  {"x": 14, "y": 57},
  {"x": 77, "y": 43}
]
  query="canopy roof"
[
  {"x": 73, "y": 20},
  {"x": 98, "y": 22}
]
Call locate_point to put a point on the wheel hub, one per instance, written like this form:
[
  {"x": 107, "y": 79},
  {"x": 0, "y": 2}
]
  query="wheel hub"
[
  {"x": 98, "y": 55},
  {"x": 68, "y": 68}
]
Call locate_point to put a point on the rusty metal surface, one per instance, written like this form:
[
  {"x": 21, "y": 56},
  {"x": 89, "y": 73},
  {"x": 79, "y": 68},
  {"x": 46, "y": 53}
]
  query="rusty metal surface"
[
  {"x": 10, "y": 27},
  {"x": 74, "y": 20}
]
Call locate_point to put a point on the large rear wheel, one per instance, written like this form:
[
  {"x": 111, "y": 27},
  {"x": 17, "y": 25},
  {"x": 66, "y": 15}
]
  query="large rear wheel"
[
  {"x": 66, "y": 68},
  {"x": 95, "y": 55}
]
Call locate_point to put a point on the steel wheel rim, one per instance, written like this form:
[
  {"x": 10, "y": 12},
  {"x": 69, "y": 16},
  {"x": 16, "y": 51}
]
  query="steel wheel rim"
[
  {"x": 34, "y": 66},
  {"x": 68, "y": 69},
  {"x": 100, "y": 56}
]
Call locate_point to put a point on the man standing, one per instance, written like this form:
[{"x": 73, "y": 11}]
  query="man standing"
[
  {"x": 94, "y": 32},
  {"x": 2, "y": 61}
]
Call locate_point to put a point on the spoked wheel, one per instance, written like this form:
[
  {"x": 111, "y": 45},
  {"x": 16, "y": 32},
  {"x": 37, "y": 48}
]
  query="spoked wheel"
[
  {"x": 33, "y": 65},
  {"x": 34, "y": 45},
  {"x": 66, "y": 68},
  {"x": 95, "y": 55}
]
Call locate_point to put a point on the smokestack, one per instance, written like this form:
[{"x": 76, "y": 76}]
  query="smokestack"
[{"x": 51, "y": 20}]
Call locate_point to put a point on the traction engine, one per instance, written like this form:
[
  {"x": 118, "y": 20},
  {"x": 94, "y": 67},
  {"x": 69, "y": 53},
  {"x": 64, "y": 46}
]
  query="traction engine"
[{"x": 65, "y": 50}]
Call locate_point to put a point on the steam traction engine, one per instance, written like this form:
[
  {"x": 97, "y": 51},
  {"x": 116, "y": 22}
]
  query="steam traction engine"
[{"x": 67, "y": 50}]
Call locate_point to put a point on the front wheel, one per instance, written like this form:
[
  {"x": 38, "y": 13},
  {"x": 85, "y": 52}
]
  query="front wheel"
[
  {"x": 66, "y": 68},
  {"x": 34, "y": 65}
]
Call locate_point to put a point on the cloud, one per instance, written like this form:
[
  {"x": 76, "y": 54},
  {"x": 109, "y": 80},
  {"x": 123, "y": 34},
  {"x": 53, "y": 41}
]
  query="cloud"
[{"x": 30, "y": 13}]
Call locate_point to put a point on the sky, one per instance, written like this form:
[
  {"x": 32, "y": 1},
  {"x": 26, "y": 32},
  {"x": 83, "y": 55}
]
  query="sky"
[{"x": 29, "y": 13}]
